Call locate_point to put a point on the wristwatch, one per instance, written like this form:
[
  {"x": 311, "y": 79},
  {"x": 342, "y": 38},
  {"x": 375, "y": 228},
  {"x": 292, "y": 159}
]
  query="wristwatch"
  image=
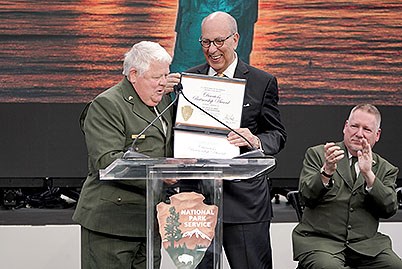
[
  {"x": 331, "y": 180},
  {"x": 322, "y": 172}
]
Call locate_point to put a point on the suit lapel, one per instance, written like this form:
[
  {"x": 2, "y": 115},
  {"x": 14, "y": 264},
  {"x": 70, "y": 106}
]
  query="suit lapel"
[
  {"x": 203, "y": 69},
  {"x": 241, "y": 70},
  {"x": 359, "y": 182},
  {"x": 343, "y": 168},
  {"x": 360, "y": 178}
]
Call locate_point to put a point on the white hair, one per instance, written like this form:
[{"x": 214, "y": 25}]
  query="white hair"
[
  {"x": 371, "y": 109},
  {"x": 142, "y": 54}
]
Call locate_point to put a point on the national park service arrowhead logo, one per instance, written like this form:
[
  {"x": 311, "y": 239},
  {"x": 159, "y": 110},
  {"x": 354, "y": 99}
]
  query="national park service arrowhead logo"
[
  {"x": 187, "y": 227},
  {"x": 186, "y": 112}
]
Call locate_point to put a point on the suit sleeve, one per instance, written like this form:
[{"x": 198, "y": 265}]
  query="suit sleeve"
[
  {"x": 270, "y": 129},
  {"x": 310, "y": 183},
  {"x": 105, "y": 137},
  {"x": 104, "y": 133},
  {"x": 382, "y": 199}
]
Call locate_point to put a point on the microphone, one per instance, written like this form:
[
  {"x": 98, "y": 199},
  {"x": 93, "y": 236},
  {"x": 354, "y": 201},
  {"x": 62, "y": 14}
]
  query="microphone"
[
  {"x": 131, "y": 152},
  {"x": 253, "y": 153}
]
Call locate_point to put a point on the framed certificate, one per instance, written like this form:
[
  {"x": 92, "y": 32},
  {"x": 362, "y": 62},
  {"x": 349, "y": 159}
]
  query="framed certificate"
[
  {"x": 220, "y": 97},
  {"x": 197, "y": 134}
]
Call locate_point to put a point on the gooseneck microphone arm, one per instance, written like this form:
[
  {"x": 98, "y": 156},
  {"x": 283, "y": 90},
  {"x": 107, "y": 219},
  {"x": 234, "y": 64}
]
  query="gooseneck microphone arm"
[
  {"x": 131, "y": 152},
  {"x": 179, "y": 89}
]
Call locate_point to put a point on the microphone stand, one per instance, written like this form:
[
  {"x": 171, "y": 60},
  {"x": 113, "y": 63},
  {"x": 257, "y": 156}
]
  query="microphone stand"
[{"x": 131, "y": 151}]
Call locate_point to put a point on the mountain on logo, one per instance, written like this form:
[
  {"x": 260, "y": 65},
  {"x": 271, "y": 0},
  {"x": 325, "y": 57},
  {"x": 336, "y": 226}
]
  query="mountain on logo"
[{"x": 197, "y": 233}]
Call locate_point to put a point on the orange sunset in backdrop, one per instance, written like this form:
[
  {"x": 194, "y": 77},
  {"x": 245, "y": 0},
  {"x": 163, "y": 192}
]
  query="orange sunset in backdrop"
[{"x": 323, "y": 53}]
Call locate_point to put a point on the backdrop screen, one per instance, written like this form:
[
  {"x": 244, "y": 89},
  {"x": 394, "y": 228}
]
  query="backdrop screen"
[{"x": 331, "y": 53}]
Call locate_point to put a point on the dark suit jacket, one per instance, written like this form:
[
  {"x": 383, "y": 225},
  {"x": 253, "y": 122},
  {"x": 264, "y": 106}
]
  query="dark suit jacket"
[
  {"x": 108, "y": 123},
  {"x": 250, "y": 201},
  {"x": 345, "y": 214}
]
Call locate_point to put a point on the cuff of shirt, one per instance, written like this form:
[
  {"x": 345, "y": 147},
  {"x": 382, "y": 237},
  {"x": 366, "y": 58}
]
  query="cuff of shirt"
[{"x": 368, "y": 189}]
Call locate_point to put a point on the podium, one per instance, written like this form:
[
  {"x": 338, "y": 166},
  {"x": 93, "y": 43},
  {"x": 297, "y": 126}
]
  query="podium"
[{"x": 184, "y": 204}]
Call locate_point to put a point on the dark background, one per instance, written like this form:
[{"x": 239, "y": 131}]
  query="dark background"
[{"x": 40, "y": 141}]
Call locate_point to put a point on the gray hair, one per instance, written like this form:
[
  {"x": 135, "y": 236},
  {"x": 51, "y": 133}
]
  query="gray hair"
[
  {"x": 371, "y": 109},
  {"x": 231, "y": 22},
  {"x": 142, "y": 54}
]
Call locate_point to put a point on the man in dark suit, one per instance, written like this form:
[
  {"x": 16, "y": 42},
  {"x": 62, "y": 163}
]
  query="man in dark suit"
[
  {"x": 345, "y": 200},
  {"x": 247, "y": 208},
  {"x": 112, "y": 214}
]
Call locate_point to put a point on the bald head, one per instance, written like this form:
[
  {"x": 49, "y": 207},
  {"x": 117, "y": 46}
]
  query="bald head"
[
  {"x": 221, "y": 18},
  {"x": 219, "y": 40}
]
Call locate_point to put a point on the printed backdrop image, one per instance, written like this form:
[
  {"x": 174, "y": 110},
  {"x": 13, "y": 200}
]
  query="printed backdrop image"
[{"x": 323, "y": 53}]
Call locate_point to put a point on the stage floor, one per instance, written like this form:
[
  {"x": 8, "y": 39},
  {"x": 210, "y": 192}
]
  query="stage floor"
[{"x": 48, "y": 238}]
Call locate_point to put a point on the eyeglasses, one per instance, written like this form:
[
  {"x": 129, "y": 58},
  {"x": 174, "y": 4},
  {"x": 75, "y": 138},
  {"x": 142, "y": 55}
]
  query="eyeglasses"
[{"x": 206, "y": 43}]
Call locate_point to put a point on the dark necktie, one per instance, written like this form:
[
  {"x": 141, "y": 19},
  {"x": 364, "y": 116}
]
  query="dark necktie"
[{"x": 352, "y": 167}]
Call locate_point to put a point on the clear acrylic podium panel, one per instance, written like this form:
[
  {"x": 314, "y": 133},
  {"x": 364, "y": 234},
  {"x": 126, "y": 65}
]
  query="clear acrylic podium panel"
[{"x": 185, "y": 218}]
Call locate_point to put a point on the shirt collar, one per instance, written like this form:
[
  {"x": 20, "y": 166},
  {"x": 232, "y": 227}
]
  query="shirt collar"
[
  {"x": 350, "y": 158},
  {"x": 229, "y": 72}
]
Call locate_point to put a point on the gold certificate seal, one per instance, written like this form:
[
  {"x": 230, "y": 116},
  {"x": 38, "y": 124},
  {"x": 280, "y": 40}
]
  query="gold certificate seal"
[{"x": 186, "y": 112}]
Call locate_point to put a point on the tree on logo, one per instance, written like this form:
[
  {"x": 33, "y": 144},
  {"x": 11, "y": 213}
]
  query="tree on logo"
[{"x": 173, "y": 233}]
